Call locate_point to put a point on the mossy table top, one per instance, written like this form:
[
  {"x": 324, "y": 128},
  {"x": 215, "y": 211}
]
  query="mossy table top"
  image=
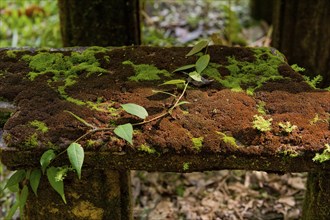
[{"x": 217, "y": 129}]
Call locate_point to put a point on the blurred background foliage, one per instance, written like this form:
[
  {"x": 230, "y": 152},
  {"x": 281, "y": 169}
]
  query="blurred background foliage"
[{"x": 33, "y": 23}]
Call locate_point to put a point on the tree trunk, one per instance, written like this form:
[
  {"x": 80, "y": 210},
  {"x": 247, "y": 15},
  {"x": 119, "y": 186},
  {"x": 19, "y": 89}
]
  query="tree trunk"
[
  {"x": 317, "y": 198},
  {"x": 262, "y": 10},
  {"x": 302, "y": 33},
  {"x": 99, "y": 22}
]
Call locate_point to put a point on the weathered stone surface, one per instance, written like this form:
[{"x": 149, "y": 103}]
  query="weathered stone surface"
[{"x": 45, "y": 85}]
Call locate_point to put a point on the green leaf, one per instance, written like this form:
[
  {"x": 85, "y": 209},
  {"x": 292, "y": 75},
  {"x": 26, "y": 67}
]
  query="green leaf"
[
  {"x": 22, "y": 199},
  {"x": 14, "y": 188},
  {"x": 46, "y": 158},
  {"x": 164, "y": 92},
  {"x": 15, "y": 179},
  {"x": 186, "y": 67},
  {"x": 57, "y": 185},
  {"x": 174, "y": 82},
  {"x": 12, "y": 210},
  {"x": 136, "y": 110},
  {"x": 195, "y": 76},
  {"x": 198, "y": 47},
  {"x": 125, "y": 132},
  {"x": 76, "y": 157},
  {"x": 202, "y": 63},
  {"x": 35, "y": 180}
]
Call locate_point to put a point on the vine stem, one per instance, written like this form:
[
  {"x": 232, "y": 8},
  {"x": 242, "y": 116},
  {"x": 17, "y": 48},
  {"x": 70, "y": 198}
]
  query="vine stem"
[{"x": 139, "y": 123}]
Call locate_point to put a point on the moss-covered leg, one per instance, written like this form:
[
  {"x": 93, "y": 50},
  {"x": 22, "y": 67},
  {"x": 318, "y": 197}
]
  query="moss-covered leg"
[
  {"x": 100, "y": 194},
  {"x": 317, "y": 198}
]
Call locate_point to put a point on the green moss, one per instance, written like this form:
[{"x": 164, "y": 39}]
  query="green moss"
[
  {"x": 198, "y": 143},
  {"x": 324, "y": 156},
  {"x": 313, "y": 82},
  {"x": 91, "y": 143},
  {"x": 147, "y": 149},
  {"x": 261, "y": 123},
  {"x": 287, "y": 126},
  {"x": 51, "y": 145},
  {"x": 7, "y": 137},
  {"x": 31, "y": 141},
  {"x": 65, "y": 69},
  {"x": 145, "y": 72},
  {"x": 228, "y": 139},
  {"x": 317, "y": 119},
  {"x": 39, "y": 125},
  {"x": 297, "y": 68},
  {"x": 185, "y": 166},
  {"x": 261, "y": 107},
  {"x": 249, "y": 75},
  {"x": 11, "y": 53},
  {"x": 290, "y": 153}
]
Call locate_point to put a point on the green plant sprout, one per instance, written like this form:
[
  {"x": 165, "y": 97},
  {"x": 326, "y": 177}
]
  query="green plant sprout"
[
  {"x": 227, "y": 139},
  {"x": 287, "y": 126},
  {"x": 297, "y": 68},
  {"x": 313, "y": 82},
  {"x": 324, "y": 156},
  {"x": 200, "y": 65},
  {"x": 262, "y": 124}
]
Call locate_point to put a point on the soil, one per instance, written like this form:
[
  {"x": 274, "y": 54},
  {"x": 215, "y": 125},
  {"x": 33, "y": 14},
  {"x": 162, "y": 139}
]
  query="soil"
[{"x": 212, "y": 108}]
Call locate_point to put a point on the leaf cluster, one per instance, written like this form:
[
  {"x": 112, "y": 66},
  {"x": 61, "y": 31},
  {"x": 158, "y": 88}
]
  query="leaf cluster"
[
  {"x": 201, "y": 63},
  {"x": 55, "y": 176}
]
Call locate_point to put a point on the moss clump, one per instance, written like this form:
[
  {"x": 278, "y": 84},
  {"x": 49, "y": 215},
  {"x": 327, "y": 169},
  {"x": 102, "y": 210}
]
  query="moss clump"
[
  {"x": 287, "y": 126},
  {"x": 261, "y": 107},
  {"x": 197, "y": 143},
  {"x": 249, "y": 75},
  {"x": 11, "y": 53},
  {"x": 31, "y": 141},
  {"x": 262, "y": 124},
  {"x": 65, "y": 69},
  {"x": 228, "y": 139},
  {"x": 145, "y": 72},
  {"x": 185, "y": 166},
  {"x": 324, "y": 156},
  {"x": 39, "y": 125},
  {"x": 289, "y": 153},
  {"x": 147, "y": 149}
]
